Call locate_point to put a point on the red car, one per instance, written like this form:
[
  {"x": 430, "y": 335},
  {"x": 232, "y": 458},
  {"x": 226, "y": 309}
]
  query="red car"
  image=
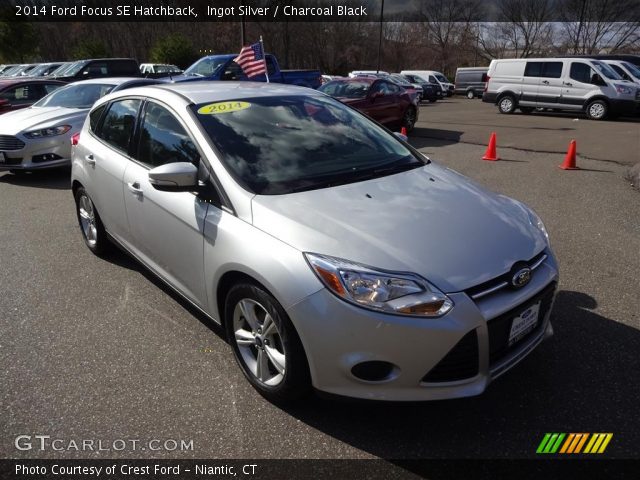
[
  {"x": 18, "y": 93},
  {"x": 384, "y": 101}
]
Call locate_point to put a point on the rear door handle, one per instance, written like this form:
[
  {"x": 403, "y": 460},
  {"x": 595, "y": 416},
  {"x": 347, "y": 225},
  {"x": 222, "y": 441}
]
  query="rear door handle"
[
  {"x": 90, "y": 160},
  {"x": 568, "y": 84},
  {"x": 134, "y": 188}
]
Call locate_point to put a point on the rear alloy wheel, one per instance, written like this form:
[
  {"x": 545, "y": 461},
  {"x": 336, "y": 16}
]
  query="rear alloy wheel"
[
  {"x": 265, "y": 344},
  {"x": 409, "y": 119},
  {"x": 93, "y": 232},
  {"x": 507, "y": 104},
  {"x": 597, "y": 110},
  {"x": 471, "y": 94}
]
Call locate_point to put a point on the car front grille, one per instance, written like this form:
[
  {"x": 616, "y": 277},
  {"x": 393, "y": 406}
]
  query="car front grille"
[
  {"x": 460, "y": 363},
  {"x": 500, "y": 327},
  {"x": 498, "y": 283},
  {"x": 9, "y": 142}
]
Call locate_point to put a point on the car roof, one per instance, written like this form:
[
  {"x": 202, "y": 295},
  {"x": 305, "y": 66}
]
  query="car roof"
[
  {"x": 215, "y": 91},
  {"x": 107, "y": 80},
  {"x": 369, "y": 80}
]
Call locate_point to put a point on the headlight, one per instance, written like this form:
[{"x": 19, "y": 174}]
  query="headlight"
[
  {"x": 397, "y": 293},
  {"x": 48, "y": 132},
  {"x": 537, "y": 222},
  {"x": 623, "y": 89}
]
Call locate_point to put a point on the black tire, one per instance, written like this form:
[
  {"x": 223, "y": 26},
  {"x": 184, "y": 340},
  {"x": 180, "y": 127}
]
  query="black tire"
[
  {"x": 409, "y": 119},
  {"x": 471, "y": 94},
  {"x": 97, "y": 241},
  {"x": 526, "y": 110},
  {"x": 597, "y": 110},
  {"x": 295, "y": 382},
  {"x": 507, "y": 104}
]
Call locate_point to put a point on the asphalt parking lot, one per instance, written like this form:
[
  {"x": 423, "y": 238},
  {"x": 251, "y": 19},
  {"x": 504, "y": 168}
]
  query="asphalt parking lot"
[{"x": 99, "y": 349}]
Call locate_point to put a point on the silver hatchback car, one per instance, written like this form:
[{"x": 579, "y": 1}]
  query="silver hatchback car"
[{"x": 334, "y": 255}]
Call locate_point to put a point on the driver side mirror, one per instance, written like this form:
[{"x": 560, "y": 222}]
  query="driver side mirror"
[
  {"x": 174, "y": 177},
  {"x": 4, "y": 103}
]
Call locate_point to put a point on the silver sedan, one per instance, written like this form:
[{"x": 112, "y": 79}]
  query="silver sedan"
[
  {"x": 40, "y": 136},
  {"x": 334, "y": 255}
]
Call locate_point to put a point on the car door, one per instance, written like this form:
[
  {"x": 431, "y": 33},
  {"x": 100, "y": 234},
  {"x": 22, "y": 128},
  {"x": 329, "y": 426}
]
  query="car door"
[
  {"x": 577, "y": 86},
  {"x": 550, "y": 85},
  {"x": 166, "y": 227},
  {"x": 381, "y": 102},
  {"x": 105, "y": 155},
  {"x": 399, "y": 98}
]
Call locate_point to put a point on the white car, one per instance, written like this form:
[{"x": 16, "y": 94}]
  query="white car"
[{"x": 40, "y": 136}]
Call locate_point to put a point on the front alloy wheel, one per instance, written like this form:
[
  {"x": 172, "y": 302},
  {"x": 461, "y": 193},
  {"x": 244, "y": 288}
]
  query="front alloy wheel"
[
  {"x": 597, "y": 110},
  {"x": 265, "y": 343}
]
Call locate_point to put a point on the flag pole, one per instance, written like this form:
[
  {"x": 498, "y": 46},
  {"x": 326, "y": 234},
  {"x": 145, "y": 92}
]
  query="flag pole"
[{"x": 264, "y": 58}]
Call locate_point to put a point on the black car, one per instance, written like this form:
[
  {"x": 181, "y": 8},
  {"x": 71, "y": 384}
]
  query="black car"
[
  {"x": 100, "y": 67},
  {"x": 430, "y": 91}
]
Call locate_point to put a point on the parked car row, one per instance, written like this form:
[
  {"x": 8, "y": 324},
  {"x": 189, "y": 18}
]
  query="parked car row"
[
  {"x": 38, "y": 135},
  {"x": 577, "y": 84}
]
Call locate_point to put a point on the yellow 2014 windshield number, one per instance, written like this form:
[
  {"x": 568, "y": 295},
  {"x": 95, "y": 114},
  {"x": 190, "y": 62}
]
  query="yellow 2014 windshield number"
[{"x": 223, "y": 107}]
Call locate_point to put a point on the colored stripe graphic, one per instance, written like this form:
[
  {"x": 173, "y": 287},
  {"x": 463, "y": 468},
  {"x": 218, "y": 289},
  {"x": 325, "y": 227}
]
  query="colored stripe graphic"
[{"x": 572, "y": 443}]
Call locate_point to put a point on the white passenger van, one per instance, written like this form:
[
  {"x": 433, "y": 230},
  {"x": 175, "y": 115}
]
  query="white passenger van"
[
  {"x": 575, "y": 84},
  {"x": 626, "y": 70},
  {"x": 433, "y": 76}
]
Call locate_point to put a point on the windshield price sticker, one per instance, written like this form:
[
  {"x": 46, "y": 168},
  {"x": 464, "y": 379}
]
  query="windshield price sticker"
[{"x": 223, "y": 107}]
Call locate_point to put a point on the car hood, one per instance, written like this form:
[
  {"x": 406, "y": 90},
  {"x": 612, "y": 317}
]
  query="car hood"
[
  {"x": 430, "y": 221},
  {"x": 40, "y": 117}
]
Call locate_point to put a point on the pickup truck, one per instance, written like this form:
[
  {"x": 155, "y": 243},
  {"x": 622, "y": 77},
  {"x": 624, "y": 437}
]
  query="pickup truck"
[{"x": 222, "y": 67}]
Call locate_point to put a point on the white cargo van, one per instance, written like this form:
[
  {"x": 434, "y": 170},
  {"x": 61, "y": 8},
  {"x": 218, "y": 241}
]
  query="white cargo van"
[
  {"x": 433, "y": 77},
  {"x": 575, "y": 84},
  {"x": 626, "y": 70}
]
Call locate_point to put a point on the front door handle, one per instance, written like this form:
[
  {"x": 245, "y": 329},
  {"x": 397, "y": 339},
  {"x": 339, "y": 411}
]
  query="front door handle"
[
  {"x": 568, "y": 84},
  {"x": 90, "y": 160},
  {"x": 134, "y": 188},
  {"x": 546, "y": 82}
]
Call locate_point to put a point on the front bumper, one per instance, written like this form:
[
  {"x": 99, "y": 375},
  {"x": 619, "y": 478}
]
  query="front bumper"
[
  {"x": 337, "y": 336},
  {"x": 37, "y": 154}
]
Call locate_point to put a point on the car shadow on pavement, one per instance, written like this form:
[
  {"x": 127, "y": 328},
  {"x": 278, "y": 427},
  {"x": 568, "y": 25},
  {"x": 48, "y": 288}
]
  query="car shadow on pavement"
[
  {"x": 55, "y": 178},
  {"x": 433, "y": 137},
  {"x": 583, "y": 379}
]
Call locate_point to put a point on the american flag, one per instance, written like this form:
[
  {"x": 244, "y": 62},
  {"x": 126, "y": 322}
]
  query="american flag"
[{"x": 251, "y": 60}]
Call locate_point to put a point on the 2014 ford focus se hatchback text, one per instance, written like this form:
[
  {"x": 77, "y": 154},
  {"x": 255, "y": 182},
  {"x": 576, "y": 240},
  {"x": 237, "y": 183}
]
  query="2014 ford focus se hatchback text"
[{"x": 334, "y": 255}]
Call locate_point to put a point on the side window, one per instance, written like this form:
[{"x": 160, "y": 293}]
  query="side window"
[
  {"x": 23, "y": 95},
  {"x": 233, "y": 72},
  {"x": 552, "y": 70},
  {"x": 533, "y": 69},
  {"x": 432, "y": 79},
  {"x": 94, "y": 118},
  {"x": 95, "y": 69},
  {"x": 119, "y": 122},
  {"x": 580, "y": 72},
  {"x": 163, "y": 139},
  {"x": 393, "y": 88}
]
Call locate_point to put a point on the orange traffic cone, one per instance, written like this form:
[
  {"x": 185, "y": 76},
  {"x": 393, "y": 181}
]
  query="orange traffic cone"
[
  {"x": 403, "y": 131},
  {"x": 570, "y": 159},
  {"x": 491, "y": 153}
]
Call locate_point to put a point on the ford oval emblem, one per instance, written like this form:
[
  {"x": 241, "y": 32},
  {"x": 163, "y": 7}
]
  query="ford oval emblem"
[{"x": 521, "y": 277}]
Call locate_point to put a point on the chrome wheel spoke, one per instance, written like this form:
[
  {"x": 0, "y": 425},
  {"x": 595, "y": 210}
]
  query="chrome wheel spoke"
[
  {"x": 276, "y": 358},
  {"x": 268, "y": 326},
  {"x": 262, "y": 366},
  {"x": 249, "y": 314},
  {"x": 244, "y": 338}
]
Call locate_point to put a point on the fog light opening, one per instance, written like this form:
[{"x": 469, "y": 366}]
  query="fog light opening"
[{"x": 374, "y": 371}]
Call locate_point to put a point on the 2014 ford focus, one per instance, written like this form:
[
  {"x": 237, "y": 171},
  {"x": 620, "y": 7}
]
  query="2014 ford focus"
[{"x": 334, "y": 255}]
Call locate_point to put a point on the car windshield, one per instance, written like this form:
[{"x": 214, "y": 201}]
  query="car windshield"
[
  {"x": 75, "y": 96},
  {"x": 62, "y": 68},
  {"x": 353, "y": 89},
  {"x": 635, "y": 71},
  {"x": 441, "y": 78},
  {"x": 74, "y": 68},
  {"x": 418, "y": 79},
  {"x": 400, "y": 80},
  {"x": 206, "y": 66},
  {"x": 606, "y": 70},
  {"x": 285, "y": 144}
]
